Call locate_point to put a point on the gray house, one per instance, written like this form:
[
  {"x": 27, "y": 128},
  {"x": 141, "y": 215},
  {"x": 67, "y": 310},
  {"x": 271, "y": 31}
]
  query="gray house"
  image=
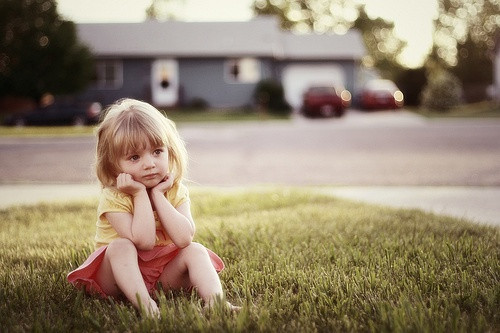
[{"x": 174, "y": 63}]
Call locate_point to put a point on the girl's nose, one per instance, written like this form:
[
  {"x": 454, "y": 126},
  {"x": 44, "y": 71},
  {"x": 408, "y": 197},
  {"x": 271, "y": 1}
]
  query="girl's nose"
[{"x": 149, "y": 162}]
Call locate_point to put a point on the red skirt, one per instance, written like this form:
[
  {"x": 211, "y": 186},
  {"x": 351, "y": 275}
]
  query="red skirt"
[{"x": 151, "y": 263}]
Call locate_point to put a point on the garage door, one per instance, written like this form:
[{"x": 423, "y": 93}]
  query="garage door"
[{"x": 297, "y": 78}]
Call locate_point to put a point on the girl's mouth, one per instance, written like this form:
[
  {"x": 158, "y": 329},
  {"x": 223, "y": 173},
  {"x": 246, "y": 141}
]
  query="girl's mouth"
[{"x": 150, "y": 176}]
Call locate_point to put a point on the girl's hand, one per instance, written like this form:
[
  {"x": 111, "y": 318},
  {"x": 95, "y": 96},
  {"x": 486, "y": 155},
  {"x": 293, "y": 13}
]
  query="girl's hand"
[
  {"x": 165, "y": 184},
  {"x": 127, "y": 184}
]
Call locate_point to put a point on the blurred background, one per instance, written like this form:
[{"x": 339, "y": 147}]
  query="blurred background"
[
  {"x": 438, "y": 54},
  {"x": 406, "y": 92}
]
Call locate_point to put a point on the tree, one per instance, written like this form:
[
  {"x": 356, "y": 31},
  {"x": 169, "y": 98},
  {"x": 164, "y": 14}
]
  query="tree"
[
  {"x": 308, "y": 15},
  {"x": 460, "y": 20},
  {"x": 474, "y": 68},
  {"x": 164, "y": 9},
  {"x": 411, "y": 82},
  {"x": 339, "y": 16},
  {"x": 381, "y": 43},
  {"x": 464, "y": 42},
  {"x": 39, "y": 51}
]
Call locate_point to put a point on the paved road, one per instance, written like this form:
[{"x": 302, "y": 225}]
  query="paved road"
[
  {"x": 389, "y": 155},
  {"x": 359, "y": 149}
]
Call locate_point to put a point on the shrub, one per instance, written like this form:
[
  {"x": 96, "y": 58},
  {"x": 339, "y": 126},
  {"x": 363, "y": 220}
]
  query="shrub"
[
  {"x": 442, "y": 92},
  {"x": 198, "y": 103},
  {"x": 269, "y": 96}
]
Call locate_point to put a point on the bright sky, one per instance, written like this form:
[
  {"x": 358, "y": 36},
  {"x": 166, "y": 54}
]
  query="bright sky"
[{"x": 413, "y": 18}]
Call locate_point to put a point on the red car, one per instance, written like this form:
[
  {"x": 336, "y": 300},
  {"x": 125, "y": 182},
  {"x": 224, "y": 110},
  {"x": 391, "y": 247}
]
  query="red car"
[
  {"x": 325, "y": 101},
  {"x": 381, "y": 94}
]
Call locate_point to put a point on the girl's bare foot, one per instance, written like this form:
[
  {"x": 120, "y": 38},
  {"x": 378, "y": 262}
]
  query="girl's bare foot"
[
  {"x": 151, "y": 310},
  {"x": 216, "y": 302},
  {"x": 233, "y": 308}
]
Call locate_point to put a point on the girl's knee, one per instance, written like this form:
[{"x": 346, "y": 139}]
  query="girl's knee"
[
  {"x": 196, "y": 249},
  {"x": 121, "y": 246}
]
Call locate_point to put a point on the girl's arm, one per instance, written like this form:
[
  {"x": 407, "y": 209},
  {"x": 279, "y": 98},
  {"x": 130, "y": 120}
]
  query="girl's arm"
[
  {"x": 140, "y": 227},
  {"x": 178, "y": 223}
]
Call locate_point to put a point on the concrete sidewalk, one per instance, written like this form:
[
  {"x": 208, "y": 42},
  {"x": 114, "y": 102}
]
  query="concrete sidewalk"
[{"x": 477, "y": 204}]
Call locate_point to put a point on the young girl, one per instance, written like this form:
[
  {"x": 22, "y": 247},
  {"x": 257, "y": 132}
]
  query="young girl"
[{"x": 144, "y": 226}]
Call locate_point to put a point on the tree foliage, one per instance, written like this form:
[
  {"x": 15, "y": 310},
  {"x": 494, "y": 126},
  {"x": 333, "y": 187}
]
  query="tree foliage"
[
  {"x": 382, "y": 45},
  {"x": 307, "y": 15},
  {"x": 39, "y": 51},
  {"x": 474, "y": 69},
  {"x": 464, "y": 42},
  {"x": 411, "y": 82},
  {"x": 164, "y": 10},
  {"x": 338, "y": 16},
  {"x": 466, "y": 24}
]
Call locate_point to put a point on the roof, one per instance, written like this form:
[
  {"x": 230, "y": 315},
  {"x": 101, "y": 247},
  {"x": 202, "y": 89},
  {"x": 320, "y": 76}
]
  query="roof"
[
  {"x": 258, "y": 37},
  {"x": 324, "y": 46}
]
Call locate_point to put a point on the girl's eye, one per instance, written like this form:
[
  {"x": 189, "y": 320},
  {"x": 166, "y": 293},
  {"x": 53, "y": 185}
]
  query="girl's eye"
[
  {"x": 158, "y": 151},
  {"x": 134, "y": 157}
]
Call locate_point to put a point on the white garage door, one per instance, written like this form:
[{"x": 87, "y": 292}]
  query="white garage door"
[{"x": 297, "y": 78}]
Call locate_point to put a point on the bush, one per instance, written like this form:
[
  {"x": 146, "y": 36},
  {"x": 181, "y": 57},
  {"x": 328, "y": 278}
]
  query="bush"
[
  {"x": 269, "y": 96},
  {"x": 442, "y": 92},
  {"x": 198, "y": 103}
]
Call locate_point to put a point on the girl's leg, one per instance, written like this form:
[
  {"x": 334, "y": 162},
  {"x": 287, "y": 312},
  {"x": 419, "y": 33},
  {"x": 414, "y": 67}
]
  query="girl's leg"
[
  {"x": 119, "y": 271},
  {"x": 192, "y": 267}
]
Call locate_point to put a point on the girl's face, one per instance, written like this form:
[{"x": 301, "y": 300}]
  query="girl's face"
[{"x": 148, "y": 165}]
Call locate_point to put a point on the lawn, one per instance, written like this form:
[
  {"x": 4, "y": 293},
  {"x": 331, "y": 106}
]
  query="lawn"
[
  {"x": 296, "y": 262},
  {"x": 486, "y": 109},
  {"x": 45, "y": 131},
  {"x": 178, "y": 116}
]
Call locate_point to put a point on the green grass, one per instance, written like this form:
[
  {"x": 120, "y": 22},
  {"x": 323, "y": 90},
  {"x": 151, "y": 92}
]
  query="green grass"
[
  {"x": 178, "y": 116},
  {"x": 486, "y": 109},
  {"x": 44, "y": 131},
  {"x": 222, "y": 115},
  {"x": 296, "y": 261}
]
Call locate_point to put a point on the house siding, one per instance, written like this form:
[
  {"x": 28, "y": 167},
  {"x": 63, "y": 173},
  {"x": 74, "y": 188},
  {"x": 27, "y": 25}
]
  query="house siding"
[
  {"x": 200, "y": 79},
  {"x": 206, "y": 79},
  {"x": 202, "y": 51},
  {"x": 135, "y": 83}
]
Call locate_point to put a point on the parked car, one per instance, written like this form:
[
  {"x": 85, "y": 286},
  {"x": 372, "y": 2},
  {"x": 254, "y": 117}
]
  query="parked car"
[
  {"x": 381, "y": 94},
  {"x": 57, "y": 112},
  {"x": 325, "y": 101}
]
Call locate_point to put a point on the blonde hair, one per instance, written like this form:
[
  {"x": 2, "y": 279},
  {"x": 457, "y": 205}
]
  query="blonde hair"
[{"x": 130, "y": 124}]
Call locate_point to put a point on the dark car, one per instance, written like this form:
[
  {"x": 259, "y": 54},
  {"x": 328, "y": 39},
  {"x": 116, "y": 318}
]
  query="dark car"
[
  {"x": 381, "y": 94},
  {"x": 57, "y": 112},
  {"x": 325, "y": 101}
]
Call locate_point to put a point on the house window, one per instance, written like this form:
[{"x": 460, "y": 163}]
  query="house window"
[
  {"x": 108, "y": 74},
  {"x": 244, "y": 70}
]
